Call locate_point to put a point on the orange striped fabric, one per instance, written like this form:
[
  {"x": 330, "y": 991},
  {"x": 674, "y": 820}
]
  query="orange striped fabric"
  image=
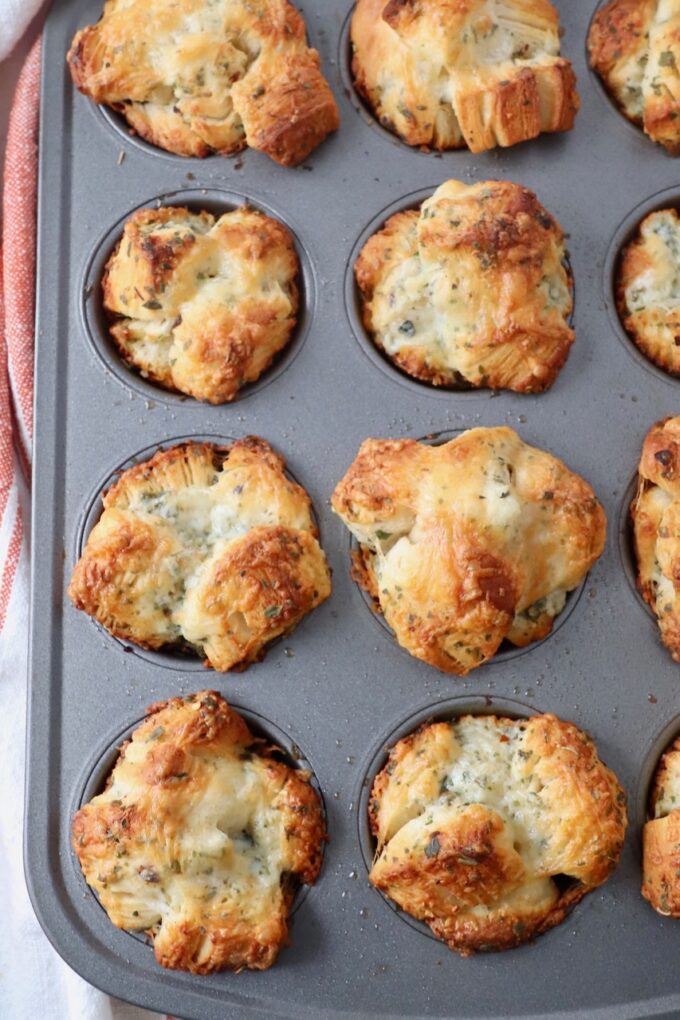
[{"x": 17, "y": 298}]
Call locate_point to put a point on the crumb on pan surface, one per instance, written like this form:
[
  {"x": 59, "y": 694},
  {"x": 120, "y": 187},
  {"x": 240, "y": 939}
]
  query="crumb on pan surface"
[
  {"x": 453, "y": 73},
  {"x": 208, "y": 547},
  {"x": 201, "y": 838},
  {"x": 468, "y": 543},
  {"x": 489, "y": 830},
  {"x": 634, "y": 46},
  {"x": 200, "y": 304},
  {"x": 196, "y": 77},
  {"x": 648, "y": 289},
  {"x": 470, "y": 289},
  {"x": 655, "y": 513},
  {"x": 661, "y": 837}
]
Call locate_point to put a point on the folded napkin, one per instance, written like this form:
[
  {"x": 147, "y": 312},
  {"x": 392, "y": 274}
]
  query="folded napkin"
[{"x": 34, "y": 981}]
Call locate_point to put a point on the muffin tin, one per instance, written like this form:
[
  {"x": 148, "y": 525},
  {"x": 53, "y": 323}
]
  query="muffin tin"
[{"x": 339, "y": 687}]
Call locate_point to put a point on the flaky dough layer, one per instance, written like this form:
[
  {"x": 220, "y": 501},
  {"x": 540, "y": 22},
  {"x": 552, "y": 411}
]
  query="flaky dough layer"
[
  {"x": 196, "y": 77},
  {"x": 201, "y": 837},
  {"x": 456, "y": 73}
]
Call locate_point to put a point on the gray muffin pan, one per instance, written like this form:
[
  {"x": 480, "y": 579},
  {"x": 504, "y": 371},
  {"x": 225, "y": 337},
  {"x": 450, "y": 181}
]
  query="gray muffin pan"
[{"x": 339, "y": 688}]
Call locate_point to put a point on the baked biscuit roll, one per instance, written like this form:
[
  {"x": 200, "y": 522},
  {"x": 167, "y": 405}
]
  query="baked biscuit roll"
[
  {"x": 202, "y": 76},
  {"x": 472, "y": 289},
  {"x": 201, "y": 838},
  {"x": 210, "y": 549},
  {"x": 634, "y": 46},
  {"x": 655, "y": 512},
  {"x": 456, "y": 73},
  {"x": 489, "y": 830},
  {"x": 661, "y": 837},
  {"x": 469, "y": 543},
  {"x": 201, "y": 304},
  {"x": 648, "y": 289}
]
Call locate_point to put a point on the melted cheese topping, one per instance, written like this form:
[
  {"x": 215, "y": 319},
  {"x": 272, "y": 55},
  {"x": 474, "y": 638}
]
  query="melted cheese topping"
[
  {"x": 449, "y": 74},
  {"x": 201, "y": 305},
  {"x": 470, "y": 542},
  {"x": 471, "y": 290},
  {"x": 481, "y": 772},
  {"x": 216, "y": 551},
  {"x": 475, "y": 818},
  {"x": 198, "y": 76},
  {"x": 195, "y": 835}
]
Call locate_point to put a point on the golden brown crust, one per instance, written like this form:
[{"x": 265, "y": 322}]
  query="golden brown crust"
[
  {"x": 655, "y": 512},
  {"x": 472, "y": 289},
  {"x": 634, "y": 45},
  {"x": 617, "y": 46},
  {"x": 194, "y": 77},
  {"x": 214, "y": 548},
  {"x": 200, "y": 838},
  {"x": 661, "y": 837},
  {"x": 661, "y": 864},
  {"x": 470, "y": 542},
  {"x": 474, "y": 819},
  {"x": 451, "y": 73},
  {"x": 648, "y": 289},
  {"x": 200, "y": 305}
]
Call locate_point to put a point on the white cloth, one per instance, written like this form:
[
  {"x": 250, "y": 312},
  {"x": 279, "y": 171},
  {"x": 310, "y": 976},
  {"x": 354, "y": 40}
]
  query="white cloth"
[
  {"x": 34, "y": 981},
  {"x": 15, "y": 17}
]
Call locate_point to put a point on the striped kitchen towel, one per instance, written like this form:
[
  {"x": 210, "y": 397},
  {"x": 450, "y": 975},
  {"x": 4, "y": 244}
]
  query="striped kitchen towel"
[
  {"x": 34, "y": 982},
  {"x": 16, "y": 329}
]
